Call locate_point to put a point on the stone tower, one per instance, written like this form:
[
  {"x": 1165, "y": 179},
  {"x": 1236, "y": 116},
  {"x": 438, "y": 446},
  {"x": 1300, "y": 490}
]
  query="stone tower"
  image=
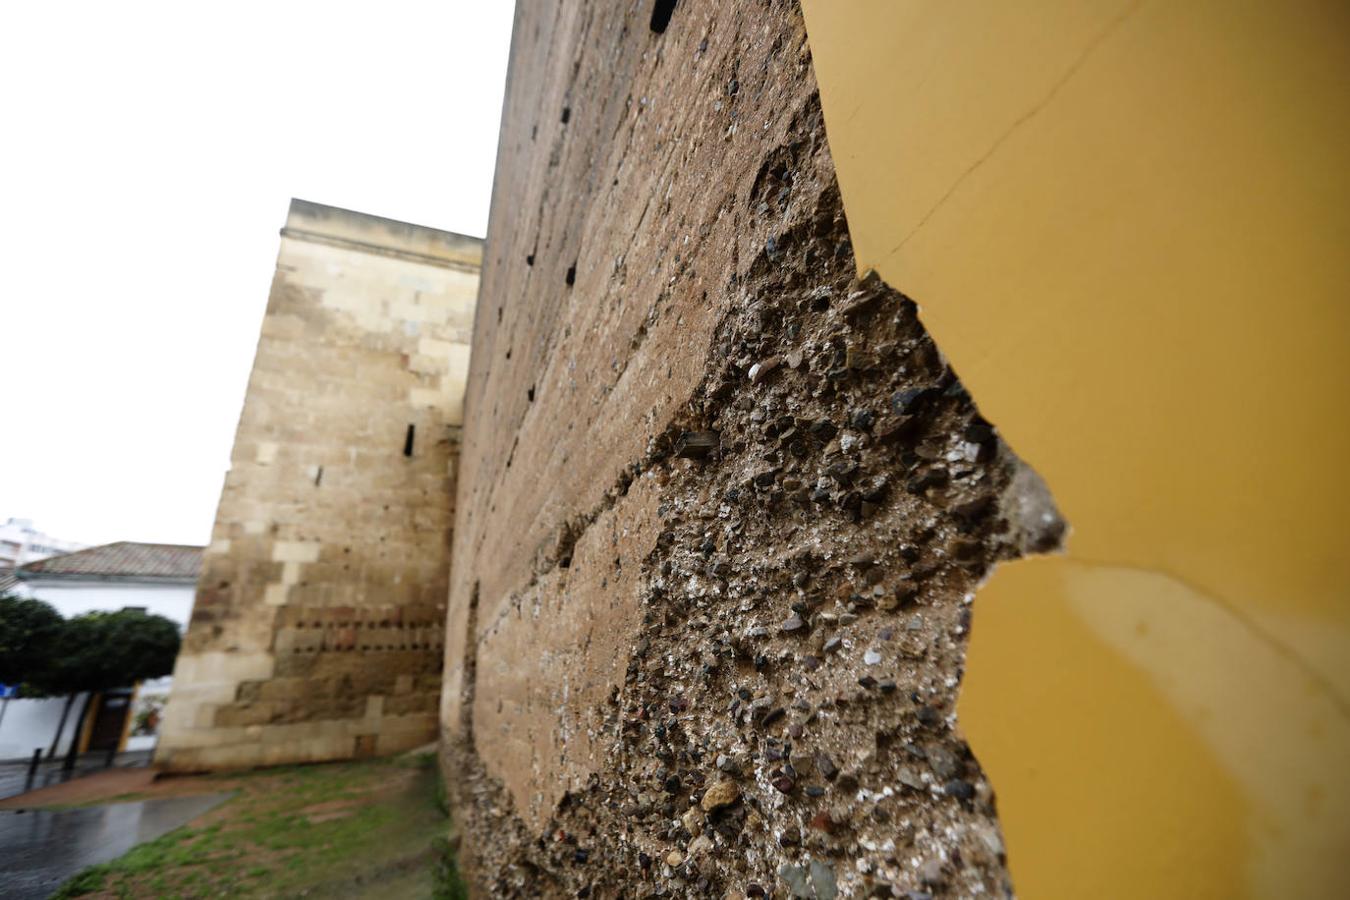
[{"x": 317, "y": 630}]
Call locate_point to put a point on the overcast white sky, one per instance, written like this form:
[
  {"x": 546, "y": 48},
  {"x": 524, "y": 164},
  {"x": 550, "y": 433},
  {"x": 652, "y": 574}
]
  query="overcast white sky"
[{"x": 148, "y": 151}]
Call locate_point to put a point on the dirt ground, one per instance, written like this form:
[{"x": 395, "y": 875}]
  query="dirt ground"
[
  {"x": 346, "y": 830},
  {"x": 114, "y": 786}
]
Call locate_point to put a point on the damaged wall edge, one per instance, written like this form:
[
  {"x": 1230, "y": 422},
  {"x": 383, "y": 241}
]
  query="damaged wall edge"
[{"x": 745, "y": 676}]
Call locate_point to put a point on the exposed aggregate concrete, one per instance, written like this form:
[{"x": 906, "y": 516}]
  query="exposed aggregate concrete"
[
  {"x": 830, "y": 501},
  {"x": 792, "y": 698}
]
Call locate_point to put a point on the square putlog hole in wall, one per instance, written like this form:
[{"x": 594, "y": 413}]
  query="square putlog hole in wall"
[{"x": 661, "y": 13}]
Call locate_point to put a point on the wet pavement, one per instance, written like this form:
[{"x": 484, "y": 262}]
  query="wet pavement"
[
  {"x": 15, "y": 780},
  {"x": 39, "y": 849}
]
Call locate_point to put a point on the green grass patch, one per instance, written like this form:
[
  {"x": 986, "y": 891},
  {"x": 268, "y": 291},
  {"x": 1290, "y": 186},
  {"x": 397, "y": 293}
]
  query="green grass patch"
[
  {"x": 336, "y": 830},
  {"x": 447, "y": 882}
]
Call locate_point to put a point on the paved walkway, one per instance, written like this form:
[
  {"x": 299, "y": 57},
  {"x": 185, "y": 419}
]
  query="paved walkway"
[
  {"x": 39, "y": 849},
  {"x": 14, "y": 777}
]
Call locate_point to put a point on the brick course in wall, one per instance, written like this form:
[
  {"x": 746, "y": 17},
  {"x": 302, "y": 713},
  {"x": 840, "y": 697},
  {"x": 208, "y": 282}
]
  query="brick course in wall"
[{"x": 318, "y": 624}]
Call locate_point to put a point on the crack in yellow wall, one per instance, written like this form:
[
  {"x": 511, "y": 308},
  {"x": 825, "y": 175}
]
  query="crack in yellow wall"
[{"x": 1126, "y": 225}]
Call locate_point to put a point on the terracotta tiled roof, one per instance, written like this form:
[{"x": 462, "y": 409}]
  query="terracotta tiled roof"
[{"x": 123, "y": 559}]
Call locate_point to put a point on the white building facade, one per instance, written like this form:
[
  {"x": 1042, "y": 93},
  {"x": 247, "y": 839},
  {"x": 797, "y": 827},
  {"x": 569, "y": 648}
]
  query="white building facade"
[
  {"x": 21, "y": 543},
  {"x": 157, "y": 578}
]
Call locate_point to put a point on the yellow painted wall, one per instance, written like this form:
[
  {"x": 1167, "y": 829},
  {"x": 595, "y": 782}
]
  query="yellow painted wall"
[{"x": 1128, "y": 226}]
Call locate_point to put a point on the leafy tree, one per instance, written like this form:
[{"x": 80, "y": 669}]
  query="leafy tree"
[
  {"x": 92, "y": 652},
  {"x": 101, "y": 650},
  {"x": 30, "y": 631}
]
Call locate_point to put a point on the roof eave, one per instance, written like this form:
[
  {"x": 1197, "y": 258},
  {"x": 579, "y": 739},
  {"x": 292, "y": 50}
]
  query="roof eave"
[{"x": 23, "y": 575}]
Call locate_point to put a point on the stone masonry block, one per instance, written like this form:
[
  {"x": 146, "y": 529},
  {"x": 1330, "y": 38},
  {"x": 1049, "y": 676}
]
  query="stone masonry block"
[{"x": 296, "y": 551}]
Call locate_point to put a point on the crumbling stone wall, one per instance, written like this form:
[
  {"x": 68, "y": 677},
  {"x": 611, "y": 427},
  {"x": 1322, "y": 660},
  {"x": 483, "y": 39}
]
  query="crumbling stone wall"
[
  {"x": 318, "y": 623},
  {"x": 723, "y": 506}
]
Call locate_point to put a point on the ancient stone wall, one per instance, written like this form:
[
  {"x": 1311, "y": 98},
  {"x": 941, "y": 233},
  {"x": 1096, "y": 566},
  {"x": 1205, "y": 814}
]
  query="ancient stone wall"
[
  {"x": 318, "y": 623},
  {"x": 722, "y": 504}
]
